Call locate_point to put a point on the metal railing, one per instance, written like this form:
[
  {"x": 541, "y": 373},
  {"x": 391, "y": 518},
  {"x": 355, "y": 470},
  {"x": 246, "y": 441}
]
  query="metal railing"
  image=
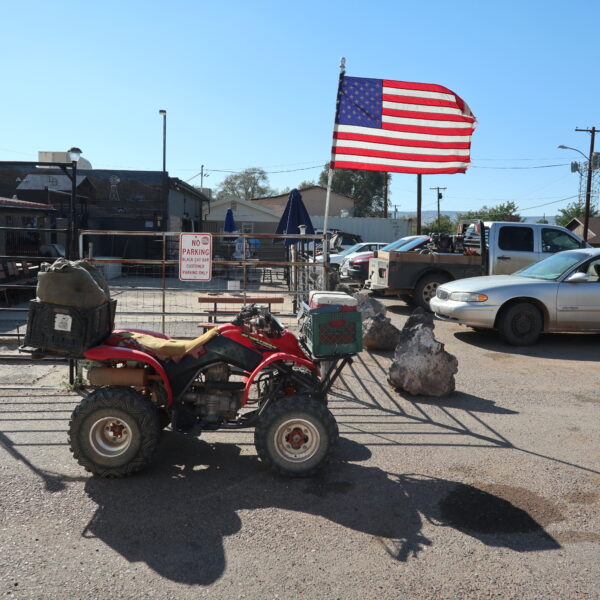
[
  {"x": 145, "y": 278},
  {"x": 149, "y": 291}
]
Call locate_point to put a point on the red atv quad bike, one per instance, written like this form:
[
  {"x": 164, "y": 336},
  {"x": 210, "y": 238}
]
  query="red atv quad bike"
[{"x": 251, "y": 372}]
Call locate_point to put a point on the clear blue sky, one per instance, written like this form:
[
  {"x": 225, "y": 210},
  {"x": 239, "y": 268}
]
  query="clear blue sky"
[{"x": 253, "y": 84}]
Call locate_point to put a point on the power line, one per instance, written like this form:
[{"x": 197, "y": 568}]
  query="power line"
[
  {"x": 319, "y": 166},
  {"x": 535, "y": 167},
  {"x": 517, "y": 159},
  {"x": 548, "y": 203}
]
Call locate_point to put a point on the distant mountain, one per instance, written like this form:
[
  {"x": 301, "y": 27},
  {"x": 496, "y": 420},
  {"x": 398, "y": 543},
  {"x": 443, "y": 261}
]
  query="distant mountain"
[{"x": 431, "y": 215}]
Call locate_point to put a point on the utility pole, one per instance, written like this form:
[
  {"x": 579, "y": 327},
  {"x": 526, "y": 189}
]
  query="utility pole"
[
  {"x": 385, "y": 195},
  {"x": 588, "y": 189},
  {"x": 439, "y": 197},
  {"x": 419, "y": 202}
]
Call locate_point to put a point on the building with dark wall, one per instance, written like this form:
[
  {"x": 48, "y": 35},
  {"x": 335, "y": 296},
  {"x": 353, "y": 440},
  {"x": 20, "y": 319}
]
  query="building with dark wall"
[
  {"x": 113, "y": 200},
  {"x": 27, "y": 218}
]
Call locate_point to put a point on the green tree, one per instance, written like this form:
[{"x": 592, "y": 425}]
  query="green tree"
[
  {"x": 446, "y": 225},
  {"x": 575, "y": 209},
  {"x": 364, "y": 187},
  {"x": 250, "y": 183},
  {"x": 305, "y": 184},
  {"x": 501, "y": 212}
]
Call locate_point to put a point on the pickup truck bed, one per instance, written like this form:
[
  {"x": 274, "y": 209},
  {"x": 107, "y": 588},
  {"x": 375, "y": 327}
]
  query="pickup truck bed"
[{"x": 401, "y": 273}]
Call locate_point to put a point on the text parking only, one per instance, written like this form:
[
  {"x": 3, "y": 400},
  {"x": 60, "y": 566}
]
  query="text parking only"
[{"x": 195, "y": 257}]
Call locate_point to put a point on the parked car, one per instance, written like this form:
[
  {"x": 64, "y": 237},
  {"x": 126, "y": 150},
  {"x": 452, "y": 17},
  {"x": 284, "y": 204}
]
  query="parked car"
[
  {"x": 491, "y": 248},
  {"x": 338, "y": 241},
  {"x": 336, "y": 260},
  {"x": 559, "y": 293},
  {"x": 355, "y": 267},
  {"x": 341, "y": 241}
]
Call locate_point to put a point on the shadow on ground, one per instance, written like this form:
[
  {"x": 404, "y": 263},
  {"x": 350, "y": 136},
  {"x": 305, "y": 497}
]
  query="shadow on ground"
[
  {"x": 550, "y": 345},
  {"x": 175, "y": 516},
  {"x": 400, "y": 308}
]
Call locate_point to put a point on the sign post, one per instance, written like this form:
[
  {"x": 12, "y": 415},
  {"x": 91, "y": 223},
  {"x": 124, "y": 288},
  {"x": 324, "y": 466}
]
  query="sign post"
[{"x": 195, "y": 257}]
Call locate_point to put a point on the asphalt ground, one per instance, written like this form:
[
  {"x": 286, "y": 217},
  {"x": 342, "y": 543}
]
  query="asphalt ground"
[{"x": 492, "y": 492}]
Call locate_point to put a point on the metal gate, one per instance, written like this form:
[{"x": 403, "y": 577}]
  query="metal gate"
[{"x": 142, "y": 270}]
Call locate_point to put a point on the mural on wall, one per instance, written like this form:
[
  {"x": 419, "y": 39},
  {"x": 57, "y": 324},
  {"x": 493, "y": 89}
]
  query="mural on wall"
[{"x": 135, "y": 195}]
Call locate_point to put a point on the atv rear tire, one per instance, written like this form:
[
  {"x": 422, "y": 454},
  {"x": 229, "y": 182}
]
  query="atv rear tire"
[
  {"x": 296, "y": 436},
  {"x": 114, "y": 432}
]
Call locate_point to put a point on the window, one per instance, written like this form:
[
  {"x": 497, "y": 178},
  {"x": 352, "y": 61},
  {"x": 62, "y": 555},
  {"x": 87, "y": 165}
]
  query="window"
[
  {"x": 348, "y": 240},
  {"x": 592, "y": 270},
  {"x": 247, "y": 228},
  {"x": 516, "y": 239},
  {"x": 554, "y": 240}
]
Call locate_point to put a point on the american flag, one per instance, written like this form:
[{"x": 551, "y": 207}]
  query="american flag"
[{"x": 402, "y": 127}]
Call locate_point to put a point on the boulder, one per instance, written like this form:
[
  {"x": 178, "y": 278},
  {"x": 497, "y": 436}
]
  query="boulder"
[
  {"x": 347, "y": 289},
  {"x": 379, "y": 333},
  {"x": 421, "y": 366},
  {"x": 369, "y": 306}
]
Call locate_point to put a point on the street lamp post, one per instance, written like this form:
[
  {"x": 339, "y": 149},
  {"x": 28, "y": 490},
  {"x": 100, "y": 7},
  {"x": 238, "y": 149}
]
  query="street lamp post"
[
  {"x": 74, "y": 154},
  {"x": 588, "y": 188},
  {"x": 164, "y": 116}
]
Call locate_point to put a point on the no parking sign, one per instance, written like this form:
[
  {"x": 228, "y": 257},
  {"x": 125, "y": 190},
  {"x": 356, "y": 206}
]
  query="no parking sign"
[{"x": 195, "y": 257}]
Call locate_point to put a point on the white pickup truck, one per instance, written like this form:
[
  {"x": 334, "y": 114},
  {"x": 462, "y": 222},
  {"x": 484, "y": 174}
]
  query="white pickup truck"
[{"x": 505, "y": 247}]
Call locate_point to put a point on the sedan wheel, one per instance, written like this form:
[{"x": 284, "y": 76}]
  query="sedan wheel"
[{"x": 520, "y": 324}]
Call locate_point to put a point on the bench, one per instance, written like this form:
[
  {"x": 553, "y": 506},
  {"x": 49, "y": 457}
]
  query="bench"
[{"x": 216, "y": 303}]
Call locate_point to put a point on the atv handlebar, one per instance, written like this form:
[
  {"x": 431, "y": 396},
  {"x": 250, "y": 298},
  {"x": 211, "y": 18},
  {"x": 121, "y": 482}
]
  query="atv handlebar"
[{"x": 259, "y": 318}]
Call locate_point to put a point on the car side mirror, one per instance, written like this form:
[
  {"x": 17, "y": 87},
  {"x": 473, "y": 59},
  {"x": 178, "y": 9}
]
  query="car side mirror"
[{"x": 578, "y": 278}]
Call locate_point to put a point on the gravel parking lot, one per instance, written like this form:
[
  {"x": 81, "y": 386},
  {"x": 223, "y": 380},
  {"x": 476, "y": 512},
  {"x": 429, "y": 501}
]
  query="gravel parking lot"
[{"x": 492, "y": 492}]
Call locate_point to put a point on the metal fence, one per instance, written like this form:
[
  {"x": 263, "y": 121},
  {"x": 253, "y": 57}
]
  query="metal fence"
[
  {"x": 22, "y": 250},
  {"x": 150, "y": 294},
  {"x": 142, "y": 270}
]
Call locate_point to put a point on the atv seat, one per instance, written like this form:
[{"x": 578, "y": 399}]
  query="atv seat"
[{"x": 163, "y": 347}]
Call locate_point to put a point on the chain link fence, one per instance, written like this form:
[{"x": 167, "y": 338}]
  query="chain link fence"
[
  {"x": 142, "y": 270},
  {"x": 151, "y": 296}
]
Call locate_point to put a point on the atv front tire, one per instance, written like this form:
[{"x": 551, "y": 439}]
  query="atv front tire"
[
  {"x": 114, "y": 432},
  {"x": 295, "y": 436}
]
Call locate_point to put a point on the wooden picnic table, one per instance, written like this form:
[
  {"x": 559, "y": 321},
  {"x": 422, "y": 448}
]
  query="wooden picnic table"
[{"x": 220, "y": 299}]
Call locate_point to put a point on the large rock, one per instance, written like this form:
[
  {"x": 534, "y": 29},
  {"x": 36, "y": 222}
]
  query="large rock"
[
  {"x": 379, "y": 333},
  {"x": 369, "y": 306},
  {"x": 347, "y": 289},
  {"x": 421, "y": 366}
]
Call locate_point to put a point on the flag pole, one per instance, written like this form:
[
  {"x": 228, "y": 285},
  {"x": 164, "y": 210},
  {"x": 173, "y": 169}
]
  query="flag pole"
[{"x": 326, "y": 265}]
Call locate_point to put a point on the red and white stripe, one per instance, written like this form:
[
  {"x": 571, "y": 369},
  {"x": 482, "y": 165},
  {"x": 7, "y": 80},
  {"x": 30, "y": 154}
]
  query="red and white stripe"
[{"x": 426, "y": 128}]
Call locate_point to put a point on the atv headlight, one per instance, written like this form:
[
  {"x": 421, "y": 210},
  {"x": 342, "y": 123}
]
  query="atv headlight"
[{"x": 468, "y": 297}]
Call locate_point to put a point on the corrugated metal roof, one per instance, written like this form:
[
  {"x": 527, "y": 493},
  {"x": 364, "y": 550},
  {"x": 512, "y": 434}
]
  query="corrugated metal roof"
[
  {"x": 52, "y": 181},
  {"x": 14, "y": 203}
]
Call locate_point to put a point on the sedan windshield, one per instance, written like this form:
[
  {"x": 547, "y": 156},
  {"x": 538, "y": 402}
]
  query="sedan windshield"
[
  {"x": 399, "y": 243},
  {"x": 412, "y": 244},
  {"x": 354, "y": 248},
  {"x": 554, "y": 266}
]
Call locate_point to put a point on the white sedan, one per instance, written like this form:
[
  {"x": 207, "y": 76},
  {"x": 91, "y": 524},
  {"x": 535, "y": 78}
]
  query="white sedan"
[
  {"x": 559, "y": 293},
  {"x": 338, "y": 259}
]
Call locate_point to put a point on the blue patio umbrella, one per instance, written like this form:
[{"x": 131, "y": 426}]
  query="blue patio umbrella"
[
  {"x": 229, "y": 226},
  {"x": 294, "y": 215}
]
